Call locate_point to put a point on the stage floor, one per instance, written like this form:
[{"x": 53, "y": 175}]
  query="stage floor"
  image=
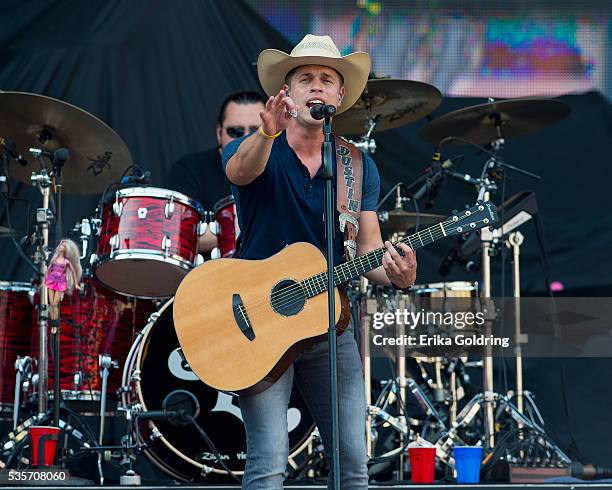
[{"x": 500, "y": 486}]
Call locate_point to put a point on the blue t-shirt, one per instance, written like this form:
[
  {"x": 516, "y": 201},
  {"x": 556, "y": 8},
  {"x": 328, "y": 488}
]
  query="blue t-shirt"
[{"x": 284, "y": 205}]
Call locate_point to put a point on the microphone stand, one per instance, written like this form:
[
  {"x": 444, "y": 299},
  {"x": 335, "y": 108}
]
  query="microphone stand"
[{"x": 328, "y": 175}]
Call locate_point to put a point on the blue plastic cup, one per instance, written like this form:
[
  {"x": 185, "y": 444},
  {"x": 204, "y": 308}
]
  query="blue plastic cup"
[{"x": 467, "y": 463}]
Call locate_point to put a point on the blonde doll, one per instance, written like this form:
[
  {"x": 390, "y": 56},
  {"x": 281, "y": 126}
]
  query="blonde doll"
[{"x": 63, "y": 274}]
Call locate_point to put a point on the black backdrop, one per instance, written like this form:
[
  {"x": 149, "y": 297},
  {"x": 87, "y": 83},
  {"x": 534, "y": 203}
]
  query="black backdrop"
[{"x": 156, "y": 72}]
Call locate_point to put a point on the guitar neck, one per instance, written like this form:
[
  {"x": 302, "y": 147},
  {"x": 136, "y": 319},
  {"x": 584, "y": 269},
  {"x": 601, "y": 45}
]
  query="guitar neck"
[{"x": 352, "y": 269}]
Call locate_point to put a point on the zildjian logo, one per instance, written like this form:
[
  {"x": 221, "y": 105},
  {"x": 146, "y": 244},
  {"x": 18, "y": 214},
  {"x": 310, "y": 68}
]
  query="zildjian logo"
[{"x": 99, "y": 163}]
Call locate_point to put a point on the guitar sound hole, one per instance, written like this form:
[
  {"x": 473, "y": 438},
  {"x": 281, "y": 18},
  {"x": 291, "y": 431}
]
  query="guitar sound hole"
[{"x": 287, "y": 298}]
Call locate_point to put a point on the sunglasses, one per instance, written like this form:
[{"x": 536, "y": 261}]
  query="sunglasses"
[{"x": 239, "y": 131}]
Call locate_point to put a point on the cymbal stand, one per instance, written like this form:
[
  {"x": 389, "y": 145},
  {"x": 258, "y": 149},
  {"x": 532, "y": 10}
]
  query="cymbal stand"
[
  {"x": 400, "y": 370},
  {"x": 43, "y": 217},
  {"x": 487, "y": 244},
  {"x": 366, "y": 142},
  {"x": 514, "y": 241},
  {"x": 369, "y": 310}
]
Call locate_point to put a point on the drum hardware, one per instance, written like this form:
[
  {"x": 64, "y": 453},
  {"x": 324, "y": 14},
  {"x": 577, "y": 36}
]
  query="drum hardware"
[
  {"x": 445, "y": 444},
  {"x": 88, "y": 228},
  {"x": 105, "y": 362},
  {"x": 402, "y": 303},
  {"x": 95, "y": 321},
  {"x": 398, "y": 221},
  {"x": 114, "y": 244},
  {"x": 23, "y": 369},
  {"x": 489, "y": 244},
  {"x": 169, "y": 209},
  {"x": 435, "y": 394},
  {"x": 366, "y": 143},
  {"x": 313, "y": 462},
  {"x": 117, "y": 207},
  {"x": 43, "y": 216},
  {"x": 514, "y": 241},
  {"x": 142, "y": 213},
  {"x": 166, "y": 244}
]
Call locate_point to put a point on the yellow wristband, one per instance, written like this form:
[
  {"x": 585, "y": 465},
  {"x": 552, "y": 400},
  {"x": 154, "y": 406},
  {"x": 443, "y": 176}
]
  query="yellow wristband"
[{"x": 270, "y": 137}]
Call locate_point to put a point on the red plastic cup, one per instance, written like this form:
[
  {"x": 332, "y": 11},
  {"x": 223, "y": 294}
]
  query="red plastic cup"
[
  {"x": 44, "y": 443},
  {"x": 422, "y": 464}
]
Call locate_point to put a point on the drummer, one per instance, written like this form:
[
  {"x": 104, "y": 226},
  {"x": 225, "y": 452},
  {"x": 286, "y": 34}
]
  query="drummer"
[{"x": 200, "y": 175}]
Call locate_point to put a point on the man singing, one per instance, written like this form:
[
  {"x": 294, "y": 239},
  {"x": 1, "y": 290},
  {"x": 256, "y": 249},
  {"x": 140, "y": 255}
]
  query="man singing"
[{"x": 276, "y": 176}]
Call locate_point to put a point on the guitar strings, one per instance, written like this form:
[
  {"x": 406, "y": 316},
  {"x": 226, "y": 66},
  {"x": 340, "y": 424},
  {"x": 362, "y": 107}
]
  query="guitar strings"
[
  {"x": 288, "y": 294},
  {"x": 295, "y": 291},
  {"x": 298, "y": 287}
]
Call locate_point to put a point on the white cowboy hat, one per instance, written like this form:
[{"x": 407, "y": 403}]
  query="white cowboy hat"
[{"x": 274, "y": 65}]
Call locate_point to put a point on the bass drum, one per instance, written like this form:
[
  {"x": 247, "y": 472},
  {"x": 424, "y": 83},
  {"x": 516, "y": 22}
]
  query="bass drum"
[{"x": 155, "y": 367}]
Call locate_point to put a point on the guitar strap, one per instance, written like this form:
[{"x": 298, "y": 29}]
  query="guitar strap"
[{"x": 349, "y": 166}]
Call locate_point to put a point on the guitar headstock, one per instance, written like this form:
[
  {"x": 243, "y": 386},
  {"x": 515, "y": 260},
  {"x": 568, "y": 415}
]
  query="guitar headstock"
[{"x": 481, "y": 215}]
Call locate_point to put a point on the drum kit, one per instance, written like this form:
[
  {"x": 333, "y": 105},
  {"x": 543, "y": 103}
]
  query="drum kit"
[{"x": 142, "y": 241}]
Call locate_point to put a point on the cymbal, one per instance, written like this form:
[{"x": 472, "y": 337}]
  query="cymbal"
[
  {"x": 479, "y": 123},
  {"x": 393, "y": 103},
  {"x": 400, "y": 221},
  {"x": 98, "y": 155}
]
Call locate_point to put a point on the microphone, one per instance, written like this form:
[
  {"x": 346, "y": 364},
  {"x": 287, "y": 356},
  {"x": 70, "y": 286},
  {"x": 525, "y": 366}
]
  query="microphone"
[
  {"x": 144, "y": 179},
  {"x": 435, "y": 175},
  {"x": 185, "y": 407},
  {"x": 467, "y": 178},
  {"x": 320, "y": 111},
  {"x": 9, "y": 147},
  {"x": 160, "y": 414},
  {"x": 437, "y": 171},
  {"x": 60, "y": 156}
]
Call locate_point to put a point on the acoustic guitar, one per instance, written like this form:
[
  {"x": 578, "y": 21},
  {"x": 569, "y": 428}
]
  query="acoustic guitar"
[{"x": 241, "y": 323}]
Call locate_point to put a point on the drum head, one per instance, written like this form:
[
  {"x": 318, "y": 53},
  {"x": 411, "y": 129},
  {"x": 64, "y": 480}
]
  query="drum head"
[
  {"x": 164, "y": 370},
  {"x": 142, "y": 275}
]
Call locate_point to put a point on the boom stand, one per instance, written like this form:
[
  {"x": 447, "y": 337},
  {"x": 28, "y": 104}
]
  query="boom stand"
[{"x": 328, "y": 175}]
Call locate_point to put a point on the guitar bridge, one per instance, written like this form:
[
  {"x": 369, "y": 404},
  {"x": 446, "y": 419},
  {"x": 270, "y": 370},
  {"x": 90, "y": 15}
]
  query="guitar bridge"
[{"x": 241, "y": 317}]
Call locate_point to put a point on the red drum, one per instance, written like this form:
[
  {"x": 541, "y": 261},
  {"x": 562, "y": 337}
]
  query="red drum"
[
  {"x": 227, "y": 227},
  {"x": 17, "y": 318},
  {"x": 95, "y": 321},
  {"x": 148, "y": 241}
]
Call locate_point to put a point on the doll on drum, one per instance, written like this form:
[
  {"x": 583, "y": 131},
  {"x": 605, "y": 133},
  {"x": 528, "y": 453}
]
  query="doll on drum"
[{"x": 63, "y": 274}]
